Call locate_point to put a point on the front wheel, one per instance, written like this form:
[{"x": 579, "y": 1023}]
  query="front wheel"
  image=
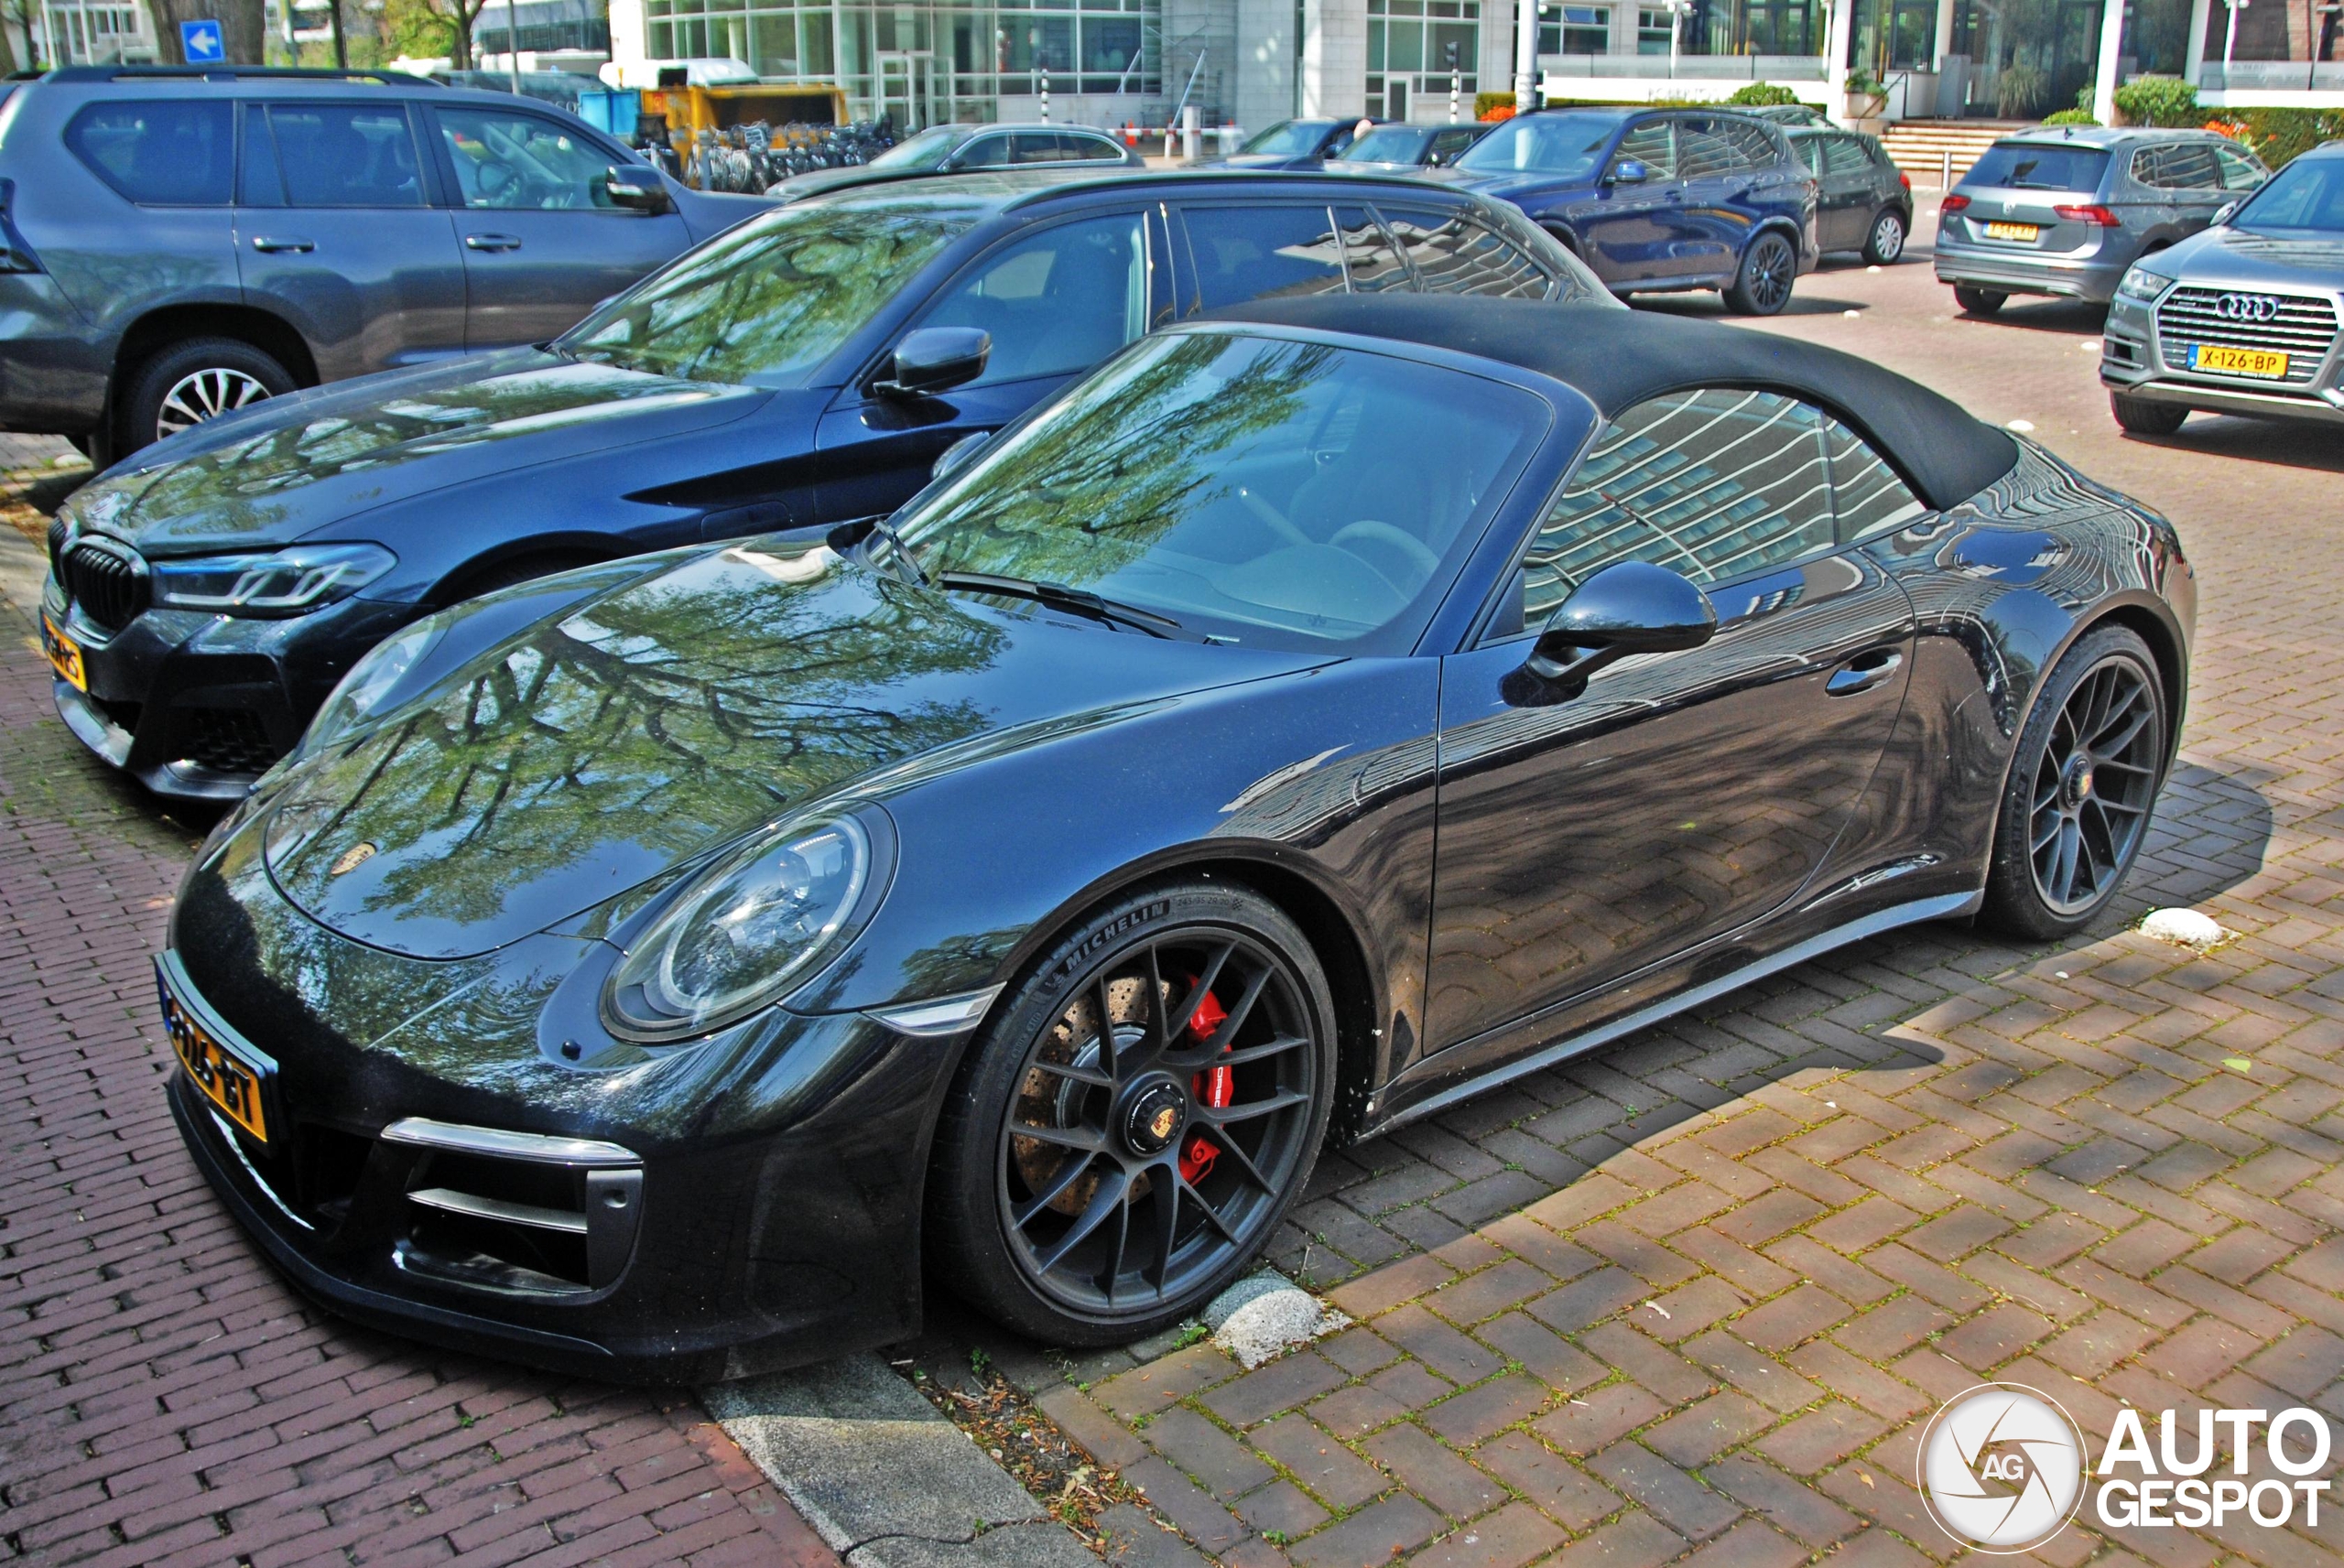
[
  {"x": 1763, "y": 287},
  {"x": 1980, "y": 301},
  {"x": 2082, "y": 787},
  {"x": 2142, "y": 417},
  {"x": 1135, "y": 1117},
  {"x": 1885, "y": 244}
]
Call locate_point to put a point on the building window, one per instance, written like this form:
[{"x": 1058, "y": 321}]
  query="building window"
[
  {"x": 1412, "y": 47},
  {"x": 1653, "y": 31},
  {"x": 1574, "y": 29}
]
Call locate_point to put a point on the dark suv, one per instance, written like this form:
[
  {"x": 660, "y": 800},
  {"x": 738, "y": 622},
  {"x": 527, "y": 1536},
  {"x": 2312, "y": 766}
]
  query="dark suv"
[
  {"x": 808, "y": 368},
  {"x": 183, "y": 243},
  {"x": 1660, "y": 200}
]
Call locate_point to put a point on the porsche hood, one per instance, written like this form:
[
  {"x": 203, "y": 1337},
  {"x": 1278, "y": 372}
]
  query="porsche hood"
[{"x": 600, "y": 749}]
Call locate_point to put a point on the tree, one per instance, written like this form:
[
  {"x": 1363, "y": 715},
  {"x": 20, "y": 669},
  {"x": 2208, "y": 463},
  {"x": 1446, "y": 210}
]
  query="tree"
[{"x": 460, "y": 15}]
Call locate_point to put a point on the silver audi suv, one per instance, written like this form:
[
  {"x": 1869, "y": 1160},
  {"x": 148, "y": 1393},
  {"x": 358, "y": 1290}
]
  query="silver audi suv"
[{"x": 2241, "y": 319}]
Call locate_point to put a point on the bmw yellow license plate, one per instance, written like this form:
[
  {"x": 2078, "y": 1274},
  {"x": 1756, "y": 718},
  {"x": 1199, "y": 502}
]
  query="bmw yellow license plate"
[
  {"x": 64, "y": 655},
  {"x": 2030, "y": 232},
  {"x": 236, "y": 1086},
  {"x": 2222, "y": 359}
]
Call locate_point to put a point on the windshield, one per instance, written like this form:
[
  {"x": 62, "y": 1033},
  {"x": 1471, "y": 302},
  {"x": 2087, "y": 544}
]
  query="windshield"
[
  {"x": 928, "y": 149},
  {"x": 2018, "y": 165},
  {"x": 1288, "y": 138},
  {"x": 1565, "y": 144},
  {"x": 2302, "y": 199},
  {"x": 767, "y": 302},
  {"x": 1254, "y": 490},
  {"x": 1386, "y": 143}
]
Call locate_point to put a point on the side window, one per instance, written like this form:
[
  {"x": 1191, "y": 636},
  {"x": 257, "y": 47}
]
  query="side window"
[
  {"x": 1702, "y": 151},
  {"x": 2239, "y": 172},
  {"x": 1053, "y": 302},
  {"x": 1037, "y": 146},
  {"x": 1845, "y": 155},
  {"x": 259, "y": 184},
  {"x": 1453, "y": 254},
  {"x": 1652, "y": 143},
  {"x": 1447, "y": 144},
  {"x": 520, "y": 161},
  {"x": 1088, "y": 149},
  {"x": 160, "y": 152},
  {"x": 346, "y": 154},
  {"x": 1867, "y": 496},
  {"x": 1715, "y": 483},
  {"x": 1754, "y": 145},
  {"x": 1808, "y": 151},
  {"x": 985, "y": 152},
  {"x": 2186, "y": 166},
  {"x": 1369, "y": 257},
  {"x": 1260, "y": 252}
]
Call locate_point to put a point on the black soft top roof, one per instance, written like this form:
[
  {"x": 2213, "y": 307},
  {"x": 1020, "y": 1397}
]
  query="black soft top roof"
[{"x": 1619, "y": 357}]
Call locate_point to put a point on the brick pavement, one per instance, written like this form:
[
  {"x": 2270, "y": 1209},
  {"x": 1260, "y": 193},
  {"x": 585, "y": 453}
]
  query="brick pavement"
[
  {"x": 167, "y": 1399},
  {"x": 1694, "y": 1296}
]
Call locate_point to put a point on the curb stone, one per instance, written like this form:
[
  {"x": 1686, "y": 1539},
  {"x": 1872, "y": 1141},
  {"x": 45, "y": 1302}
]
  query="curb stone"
[{"x": 883, "y": 1477}]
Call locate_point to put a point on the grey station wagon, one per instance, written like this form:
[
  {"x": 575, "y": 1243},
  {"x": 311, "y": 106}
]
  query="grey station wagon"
[
  {"x": 2065, "y": 212},
  {"x": 181, "y": 242}
]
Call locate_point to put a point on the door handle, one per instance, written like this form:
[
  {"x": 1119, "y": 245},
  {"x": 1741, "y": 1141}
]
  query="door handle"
[
  {"x": 492, "y": 242},
  {"x": 1863, "y": 672},
  {"x": 272, "y": 244}
]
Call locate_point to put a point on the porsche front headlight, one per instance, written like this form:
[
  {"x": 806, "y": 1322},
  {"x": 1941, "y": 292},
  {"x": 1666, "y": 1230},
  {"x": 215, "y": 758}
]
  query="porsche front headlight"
[
  {"x": 744, "y": 930},
  {"x": 371, "y": 680}
]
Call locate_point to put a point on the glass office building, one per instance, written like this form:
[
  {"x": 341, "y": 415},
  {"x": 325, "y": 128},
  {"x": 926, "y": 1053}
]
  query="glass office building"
[{"x": 924, "y": 63}]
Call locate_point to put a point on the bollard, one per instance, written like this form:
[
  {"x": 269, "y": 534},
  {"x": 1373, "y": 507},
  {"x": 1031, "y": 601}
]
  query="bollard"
[
  {"x": 1456, "y": 86},
  {"x": 1191, "y": 138},
  {"x": 1046, "y": 98},
  {"x": 1945, "y": 175}
]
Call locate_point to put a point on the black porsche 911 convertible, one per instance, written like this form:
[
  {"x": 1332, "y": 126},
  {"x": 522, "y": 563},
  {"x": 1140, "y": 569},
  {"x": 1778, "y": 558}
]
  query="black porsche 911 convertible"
[{"x": 1308, "y": 721}]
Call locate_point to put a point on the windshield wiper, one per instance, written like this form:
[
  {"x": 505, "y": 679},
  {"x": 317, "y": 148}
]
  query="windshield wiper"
[{"x": 1059, "y": 597}]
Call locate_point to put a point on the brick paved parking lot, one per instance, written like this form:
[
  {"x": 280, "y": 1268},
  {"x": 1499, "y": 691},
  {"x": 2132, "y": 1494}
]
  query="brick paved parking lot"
[{"x": 1692, "y": 1296}]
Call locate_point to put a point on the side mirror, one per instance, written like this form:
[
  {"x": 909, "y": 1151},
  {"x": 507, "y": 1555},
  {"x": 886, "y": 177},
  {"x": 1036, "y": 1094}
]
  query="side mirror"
[
  {"x": 957, "y": 456},
  {"x": 638, "y": 189},
  {"x": 936, "y": 359},
  {"x": 1628, "y": 171},
  {"x": 1627, "y": 608},
  {"x": 2224, "y": 214}
]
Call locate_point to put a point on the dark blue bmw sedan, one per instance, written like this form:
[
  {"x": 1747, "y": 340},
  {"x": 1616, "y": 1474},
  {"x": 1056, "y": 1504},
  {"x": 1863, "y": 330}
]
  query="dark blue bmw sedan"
[
  {"x": 803, "y": 369},
  {"x": 1660, "y": 200}
]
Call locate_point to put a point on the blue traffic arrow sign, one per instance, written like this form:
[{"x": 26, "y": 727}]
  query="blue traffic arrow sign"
[{"x": 201, "y": 42}]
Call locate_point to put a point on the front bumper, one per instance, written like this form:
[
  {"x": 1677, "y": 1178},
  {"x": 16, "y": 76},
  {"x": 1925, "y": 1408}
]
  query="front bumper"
[
  {"x": 2007, "y": 272},
  {"x": 749, "y": 1247},
  {"x": 197, "y": 705},
  {"x": 2133, "y": 361}
]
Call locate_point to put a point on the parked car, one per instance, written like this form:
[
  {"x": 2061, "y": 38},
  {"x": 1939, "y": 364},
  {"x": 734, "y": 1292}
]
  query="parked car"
[
  {"x": 1786, "y": 115},
  {"x": 560, "y": 87},
  {"x": 188, "y": 240},
  {"x": 1389, "y": 149},
  {"x": 616, "y": 980},
  {"x": 2064, "y": 212},
  {"x": 1292, "y": 144},
  {"x": 1863, "y": 202},
  {"x": 2243, "y": 318},
  {"x": 802, "y": 369},
  {"x": 970, "y": 149},
  {"x": 1659, "y": 200}
]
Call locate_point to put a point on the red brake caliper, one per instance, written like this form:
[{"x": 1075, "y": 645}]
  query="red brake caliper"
[{"x": 1214, "y": 1086}]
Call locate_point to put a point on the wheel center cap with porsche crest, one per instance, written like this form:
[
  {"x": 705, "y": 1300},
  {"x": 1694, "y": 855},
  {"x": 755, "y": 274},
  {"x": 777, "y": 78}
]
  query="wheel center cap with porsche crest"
[{"x": 1151, "y": 1119}]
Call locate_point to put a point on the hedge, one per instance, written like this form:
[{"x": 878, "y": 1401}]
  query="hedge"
[
  {"x": 1764, "y": 93},
  {"x": 2277, "y": 135}
]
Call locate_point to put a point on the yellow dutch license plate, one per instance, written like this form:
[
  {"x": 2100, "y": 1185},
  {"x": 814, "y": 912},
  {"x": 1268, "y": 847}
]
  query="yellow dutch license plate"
[
  {"x": 2269, "y": 363},
  {"x": 2030, "y": 232},
  {"x": 64, "y": 655},
  {"x": 236, "y": 1086}
]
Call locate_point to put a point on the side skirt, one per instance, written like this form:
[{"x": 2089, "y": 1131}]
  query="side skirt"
[{"x": 1944, "y": 906}]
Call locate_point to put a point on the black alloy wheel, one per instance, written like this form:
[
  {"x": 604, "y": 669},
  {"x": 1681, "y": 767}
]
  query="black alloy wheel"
[
  {"x": 1131, "y": 1127},
  {"x": 2082, "y": 787},
  {"x": 1769, "y": 267}
]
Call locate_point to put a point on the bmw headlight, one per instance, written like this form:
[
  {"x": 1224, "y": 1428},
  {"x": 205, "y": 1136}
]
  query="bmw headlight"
[
  {"x": 742, "y": 933},
  {"x": 371, "y": 680},
  {"x": 2139, "y": 283},
  {"x": 291, "y": 582}
]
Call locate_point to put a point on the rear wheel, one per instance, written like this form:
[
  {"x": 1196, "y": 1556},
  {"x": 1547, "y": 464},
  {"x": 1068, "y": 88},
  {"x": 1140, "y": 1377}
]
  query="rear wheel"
[
  {"x": 2082, "y": 787},
  {"x": 1886, "y": 243},
  {"x": 1136, "y": 1117},
  {"x": 1763, "y": 287},
  {"x": 1980, "y": 301},
  {"x": 2142, "y": 418},
  {"x": 200, "y": 379}
]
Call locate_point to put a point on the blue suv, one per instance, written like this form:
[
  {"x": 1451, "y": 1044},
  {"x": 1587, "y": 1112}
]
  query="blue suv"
[{"x": 1660, "y": 200}]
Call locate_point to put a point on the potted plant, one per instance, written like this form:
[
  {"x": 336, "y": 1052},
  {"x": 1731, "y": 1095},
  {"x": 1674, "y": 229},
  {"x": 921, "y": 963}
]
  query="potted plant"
[{"x": 1867, "y": 100}]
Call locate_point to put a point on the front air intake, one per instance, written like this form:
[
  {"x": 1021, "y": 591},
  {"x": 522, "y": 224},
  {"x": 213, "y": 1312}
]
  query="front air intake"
[{"x": 516, "y": 1213}]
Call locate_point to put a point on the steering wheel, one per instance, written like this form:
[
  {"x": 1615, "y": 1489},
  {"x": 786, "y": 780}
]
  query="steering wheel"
[
  {"x": 1274, "y": 518},
  {"x": 490, "y": 178},
  {"x": 1405, "y": 543}
]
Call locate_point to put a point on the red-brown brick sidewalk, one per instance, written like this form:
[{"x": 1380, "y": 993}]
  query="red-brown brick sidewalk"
[{"x": 164, "y": 1396}]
